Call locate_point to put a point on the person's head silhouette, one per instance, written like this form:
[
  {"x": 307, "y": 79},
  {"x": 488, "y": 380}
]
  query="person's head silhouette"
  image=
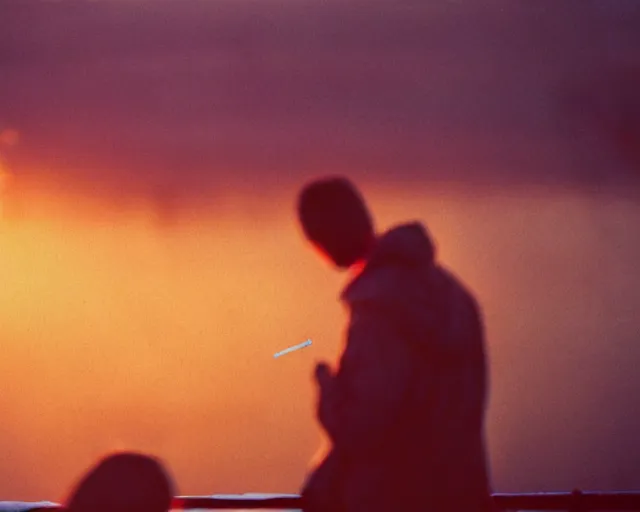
[
  {"x": 336, "y": 220},
  {"x": 123, "y": 482}
]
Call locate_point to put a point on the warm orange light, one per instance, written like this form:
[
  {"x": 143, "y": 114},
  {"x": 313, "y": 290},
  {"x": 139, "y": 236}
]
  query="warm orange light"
[
  {"x": 116, "y": 333},
  {"x": 120, "y": 334},
  {"x": 134, "y": 336}
]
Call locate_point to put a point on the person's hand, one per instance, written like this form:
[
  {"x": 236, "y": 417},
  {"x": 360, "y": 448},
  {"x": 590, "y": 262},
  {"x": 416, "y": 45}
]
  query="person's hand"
[
  {"x": 323, "y": 374},
  {"x": 326, "y": 396}
]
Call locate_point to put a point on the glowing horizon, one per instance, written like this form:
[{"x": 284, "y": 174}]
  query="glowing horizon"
[{"x": 120, "y": 333}]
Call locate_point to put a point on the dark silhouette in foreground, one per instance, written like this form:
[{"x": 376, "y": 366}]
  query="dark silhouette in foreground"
[
  {"x": 405, "y": 408},
  {"x": 123, "y": 482}
]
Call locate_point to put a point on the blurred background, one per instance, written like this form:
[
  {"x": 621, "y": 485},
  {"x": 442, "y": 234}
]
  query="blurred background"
[{"x": 151, "y": 265}]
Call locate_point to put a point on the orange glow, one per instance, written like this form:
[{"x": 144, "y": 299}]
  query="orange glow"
[{"x": 117, "y": 333}]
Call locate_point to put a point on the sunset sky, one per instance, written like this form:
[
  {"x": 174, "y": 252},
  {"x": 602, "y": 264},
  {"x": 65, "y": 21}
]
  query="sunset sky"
[{"x": 151, "y": 265}]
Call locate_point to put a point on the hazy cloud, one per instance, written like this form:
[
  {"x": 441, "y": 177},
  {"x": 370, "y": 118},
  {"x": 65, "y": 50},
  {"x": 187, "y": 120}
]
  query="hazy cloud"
[{"x": 170, "y": 98}]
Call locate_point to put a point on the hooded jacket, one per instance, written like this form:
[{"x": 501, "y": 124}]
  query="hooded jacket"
[{"x": 407, "y": 404}]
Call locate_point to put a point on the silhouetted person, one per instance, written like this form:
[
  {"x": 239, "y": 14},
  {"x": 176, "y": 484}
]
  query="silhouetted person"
[
  {"x": 405, "y": 408},
  {"x": 123, "y": 482}
]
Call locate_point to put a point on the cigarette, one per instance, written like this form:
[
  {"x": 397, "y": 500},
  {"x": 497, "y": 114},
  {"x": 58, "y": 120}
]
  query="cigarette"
[{"x": 291, "y": 349}]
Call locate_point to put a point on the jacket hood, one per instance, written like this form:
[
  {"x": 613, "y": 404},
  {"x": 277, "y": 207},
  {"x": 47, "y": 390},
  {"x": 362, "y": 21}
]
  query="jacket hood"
[
  {"x": 408, "y": 245},
  {"x": 402, "y": 282}
]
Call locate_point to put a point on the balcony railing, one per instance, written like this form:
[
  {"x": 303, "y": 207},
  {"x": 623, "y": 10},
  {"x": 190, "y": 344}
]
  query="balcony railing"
[{"x": 576, "y": 501}]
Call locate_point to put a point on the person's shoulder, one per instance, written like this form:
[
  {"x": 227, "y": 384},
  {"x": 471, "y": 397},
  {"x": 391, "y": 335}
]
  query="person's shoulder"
[{"x": 374, "y": 285}]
